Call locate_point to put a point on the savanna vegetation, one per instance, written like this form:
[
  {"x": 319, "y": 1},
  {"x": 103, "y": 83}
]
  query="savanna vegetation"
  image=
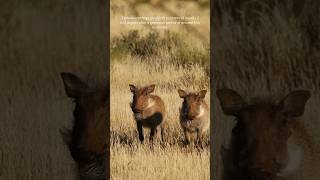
[{"x": 171, "y": 59}]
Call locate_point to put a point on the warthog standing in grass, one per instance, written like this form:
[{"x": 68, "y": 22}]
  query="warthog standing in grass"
[
  {"x": 148, "y": 110},
  {"x": 87, "y": 139},
  {"x": 264, "y": 143},
  {"x": 194, "y": 115}
]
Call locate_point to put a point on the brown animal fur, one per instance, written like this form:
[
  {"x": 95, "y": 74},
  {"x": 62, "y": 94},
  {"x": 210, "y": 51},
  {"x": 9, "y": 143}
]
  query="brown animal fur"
[
  {"x": 87, "y": 139},
  {"x": 148, "y": 110},
  {"x": 194, "y": 115},
  {"x": 265, "y": 143}
]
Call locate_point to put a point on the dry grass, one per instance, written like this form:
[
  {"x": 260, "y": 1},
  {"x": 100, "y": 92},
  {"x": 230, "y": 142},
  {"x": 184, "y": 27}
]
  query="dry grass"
[
  {"x": 131, "y": 159},
  {"x": 170, "y": 61}
]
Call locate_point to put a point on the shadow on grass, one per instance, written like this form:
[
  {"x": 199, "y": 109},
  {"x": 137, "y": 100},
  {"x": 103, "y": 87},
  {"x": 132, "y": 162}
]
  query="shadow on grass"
[{"x": 173, "y": 139}]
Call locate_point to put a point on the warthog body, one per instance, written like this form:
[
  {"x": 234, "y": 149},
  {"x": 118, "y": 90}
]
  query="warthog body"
[
  {"x": 87, "y": 139},
  {"x": 264, "y": 144},
  {"x": 194, "y": 115},
  {"x": 148, "y": 110}
]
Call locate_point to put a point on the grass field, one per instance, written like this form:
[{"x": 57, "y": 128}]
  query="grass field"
[
  {"x": 129, "y": 158},
  {"x": 171, "y": 61}
]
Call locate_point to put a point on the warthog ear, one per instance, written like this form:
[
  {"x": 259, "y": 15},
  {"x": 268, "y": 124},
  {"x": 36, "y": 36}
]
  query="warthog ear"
[
  {"x": 73, "y": 85},
  {"x": 230, "y": 101},
  {"x": 182, "y": 93},
  {"x": 150, "y": 88},
  {"x": 202, "y": 93},
  {"x": 132, "y": 88},
  {"x": 293, "y": 104}
]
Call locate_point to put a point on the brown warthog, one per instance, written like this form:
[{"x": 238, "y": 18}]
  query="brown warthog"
[
  {"x": 148, "y": 110},
  {"x": 194, "y": 115},
  {"x": 264, "y": 143},
  {"x": 87, "y": 139}
]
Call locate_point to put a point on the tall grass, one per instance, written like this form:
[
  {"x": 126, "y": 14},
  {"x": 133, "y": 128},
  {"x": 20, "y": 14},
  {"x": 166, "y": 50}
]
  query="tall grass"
[
  {"x": 129, "y": 158},
  {"x": 170, "y": 59}
]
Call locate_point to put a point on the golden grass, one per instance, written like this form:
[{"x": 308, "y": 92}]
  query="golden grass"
[
  {"x": 169, "y": 163},
  {"x": 129, "y": 158}
]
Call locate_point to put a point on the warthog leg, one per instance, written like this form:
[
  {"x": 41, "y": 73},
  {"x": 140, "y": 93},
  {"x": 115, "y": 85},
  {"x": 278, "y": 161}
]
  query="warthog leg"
[
  {"x": 200, "y": 136},
  {"x": 158, "y": 133},
  {"x": 187, "y": 136},
  {"x": 140, "y": 131},
  {"x": 153, "y": 134},
  {"x": 163, "y": 133}
]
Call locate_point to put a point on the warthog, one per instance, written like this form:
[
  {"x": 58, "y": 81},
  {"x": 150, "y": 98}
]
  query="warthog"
[
  {"x": 264, "y": 140},
  {"x": 194, "y": 115},
  {"x": 87, "y": 139},
  {"x": 148, "y": 110}
]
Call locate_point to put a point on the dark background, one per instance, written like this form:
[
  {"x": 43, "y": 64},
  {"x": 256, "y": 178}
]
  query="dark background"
[
  {"x": 39, "y": 39},
  {"x": 265, "y": 48}
]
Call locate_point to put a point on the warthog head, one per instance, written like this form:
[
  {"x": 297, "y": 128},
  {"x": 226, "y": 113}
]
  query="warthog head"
[
  {"x": 140, "y": 100},
  {"x": 191, "y": 106},
  {"x": 87, "y": 138},
  {"x": 260, "y": 137}
]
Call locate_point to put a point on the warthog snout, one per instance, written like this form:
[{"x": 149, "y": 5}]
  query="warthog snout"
[{"x": 190, "y": 110}]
